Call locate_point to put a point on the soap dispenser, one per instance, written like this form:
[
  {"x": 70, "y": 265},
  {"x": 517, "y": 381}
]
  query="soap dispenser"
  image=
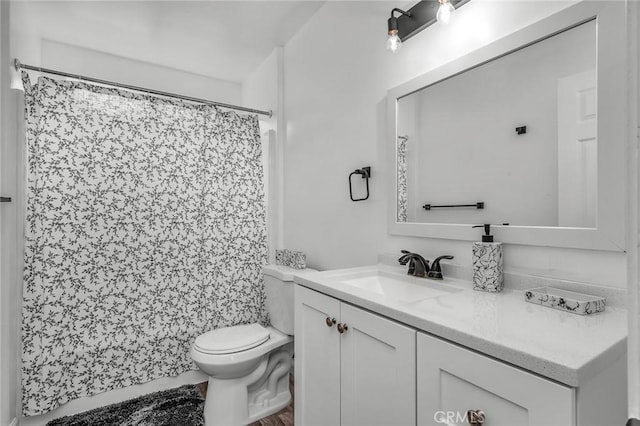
[{"x": 487, "y": 263}]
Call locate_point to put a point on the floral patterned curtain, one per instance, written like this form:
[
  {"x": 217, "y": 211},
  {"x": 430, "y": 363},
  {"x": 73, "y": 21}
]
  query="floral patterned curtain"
[
  {"x": 401, "y": 166},
  {"x": 145, "y": 227}
]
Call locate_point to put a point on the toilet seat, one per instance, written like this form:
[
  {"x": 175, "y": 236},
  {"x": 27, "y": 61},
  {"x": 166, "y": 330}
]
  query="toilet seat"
[{"x": 233, "y": 339}]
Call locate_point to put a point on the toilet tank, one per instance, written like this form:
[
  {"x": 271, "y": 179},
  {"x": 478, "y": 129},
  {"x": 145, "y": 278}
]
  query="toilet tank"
[{"x": 278, "y": 288}]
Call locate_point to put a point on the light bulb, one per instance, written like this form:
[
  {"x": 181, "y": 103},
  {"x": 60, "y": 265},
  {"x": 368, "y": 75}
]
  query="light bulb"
[
  {"x": 393, "y": 41},
  {"x": 445, "y": 11}
]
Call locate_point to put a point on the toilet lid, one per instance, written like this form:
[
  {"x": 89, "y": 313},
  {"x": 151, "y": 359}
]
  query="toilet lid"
[{"x": 232, "y": 339}]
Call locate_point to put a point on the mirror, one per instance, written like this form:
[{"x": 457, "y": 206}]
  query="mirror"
[
  {"x": 519, "y": 132},
  {"x": 458, "y": 145}
]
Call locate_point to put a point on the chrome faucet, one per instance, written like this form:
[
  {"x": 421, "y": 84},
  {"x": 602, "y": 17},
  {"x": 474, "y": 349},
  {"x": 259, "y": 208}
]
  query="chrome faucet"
[{"x": 419, "y": 266}]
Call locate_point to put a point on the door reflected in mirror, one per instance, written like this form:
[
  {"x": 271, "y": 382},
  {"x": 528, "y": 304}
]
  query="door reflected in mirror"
[{"x": 517, "y": 134}]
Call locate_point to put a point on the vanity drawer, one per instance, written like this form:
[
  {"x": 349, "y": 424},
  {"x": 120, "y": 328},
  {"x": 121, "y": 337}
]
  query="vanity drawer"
[{"x": 452, "y": 380}]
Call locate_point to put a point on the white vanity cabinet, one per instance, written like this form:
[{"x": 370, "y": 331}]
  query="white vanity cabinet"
[
  {"x": 358, "y": 370},
  {"x": 359, "y": 366},
  {"x": 452, "y": 380}
]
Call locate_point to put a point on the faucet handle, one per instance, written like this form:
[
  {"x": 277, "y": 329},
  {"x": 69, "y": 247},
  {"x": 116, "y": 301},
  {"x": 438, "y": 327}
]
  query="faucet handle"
[{"x": 436, "y": 270}]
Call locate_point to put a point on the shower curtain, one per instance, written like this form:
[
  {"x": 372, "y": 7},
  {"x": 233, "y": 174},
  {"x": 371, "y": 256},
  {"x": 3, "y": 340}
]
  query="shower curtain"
[
  {"x": 145, "y": 226},
  {"x": 401, "y": 166}
]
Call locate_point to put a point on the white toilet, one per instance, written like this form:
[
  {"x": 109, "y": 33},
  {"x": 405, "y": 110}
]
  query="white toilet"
[{"x": 248, "y": 365}]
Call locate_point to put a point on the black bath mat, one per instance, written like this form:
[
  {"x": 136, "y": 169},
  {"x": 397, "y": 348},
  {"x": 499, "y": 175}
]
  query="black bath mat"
[{"x": 181, "y": 406}]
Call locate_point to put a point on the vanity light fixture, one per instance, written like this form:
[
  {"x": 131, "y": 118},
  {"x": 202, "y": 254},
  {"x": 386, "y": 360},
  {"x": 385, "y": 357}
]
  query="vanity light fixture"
[
  {"x": 416, "y": 19},
  {"x": 393, "y": 41}
]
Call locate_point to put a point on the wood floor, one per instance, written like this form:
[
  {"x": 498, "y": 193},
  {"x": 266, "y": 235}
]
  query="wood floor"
[{"x": 283, "y": 417}]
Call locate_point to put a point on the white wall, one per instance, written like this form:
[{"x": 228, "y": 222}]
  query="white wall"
[
  {"x": 261, "y": 89},
  {"x": 264, "y": 90},
  {"x": 335, "y": 88},
  {"x": 78, "y": 60},
  {"x": 31, "y": 45},
  {"x": 633, "y": 340},
  {"x": 9, "y": 248}
]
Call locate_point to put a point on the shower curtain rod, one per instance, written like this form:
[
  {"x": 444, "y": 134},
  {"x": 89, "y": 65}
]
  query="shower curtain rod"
[{"x": 18, "y": 66}]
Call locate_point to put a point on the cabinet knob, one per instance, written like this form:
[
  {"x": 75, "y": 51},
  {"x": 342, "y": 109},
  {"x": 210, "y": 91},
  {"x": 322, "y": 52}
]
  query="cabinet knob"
[
  {"x": 476, "y": 417},
  {"x": 342, "y": 328},
  {"x": 330, "y": 321}
]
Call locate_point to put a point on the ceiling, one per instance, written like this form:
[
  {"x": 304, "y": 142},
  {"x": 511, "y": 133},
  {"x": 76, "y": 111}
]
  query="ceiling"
[{"x": 220, "y": 39}]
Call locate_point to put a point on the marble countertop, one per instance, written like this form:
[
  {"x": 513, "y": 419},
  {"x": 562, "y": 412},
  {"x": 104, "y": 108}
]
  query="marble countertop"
[{"x": 561, "y": 346}]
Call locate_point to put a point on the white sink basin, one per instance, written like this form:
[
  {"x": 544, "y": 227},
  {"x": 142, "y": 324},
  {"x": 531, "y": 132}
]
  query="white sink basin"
[{"x": 397, "y": 287}]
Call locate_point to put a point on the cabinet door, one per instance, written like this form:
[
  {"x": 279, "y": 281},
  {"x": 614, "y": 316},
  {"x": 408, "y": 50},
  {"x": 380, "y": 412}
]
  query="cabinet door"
[
  {"x": 317, "y": 359},
  {"x": 452, "y": 380},
  {"x": 378, "y": 379}
]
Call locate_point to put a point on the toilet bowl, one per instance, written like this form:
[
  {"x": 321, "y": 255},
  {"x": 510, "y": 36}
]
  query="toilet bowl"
[
  {"x": 248, "y": 365},
  {"x": 245, "y": 384}
]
